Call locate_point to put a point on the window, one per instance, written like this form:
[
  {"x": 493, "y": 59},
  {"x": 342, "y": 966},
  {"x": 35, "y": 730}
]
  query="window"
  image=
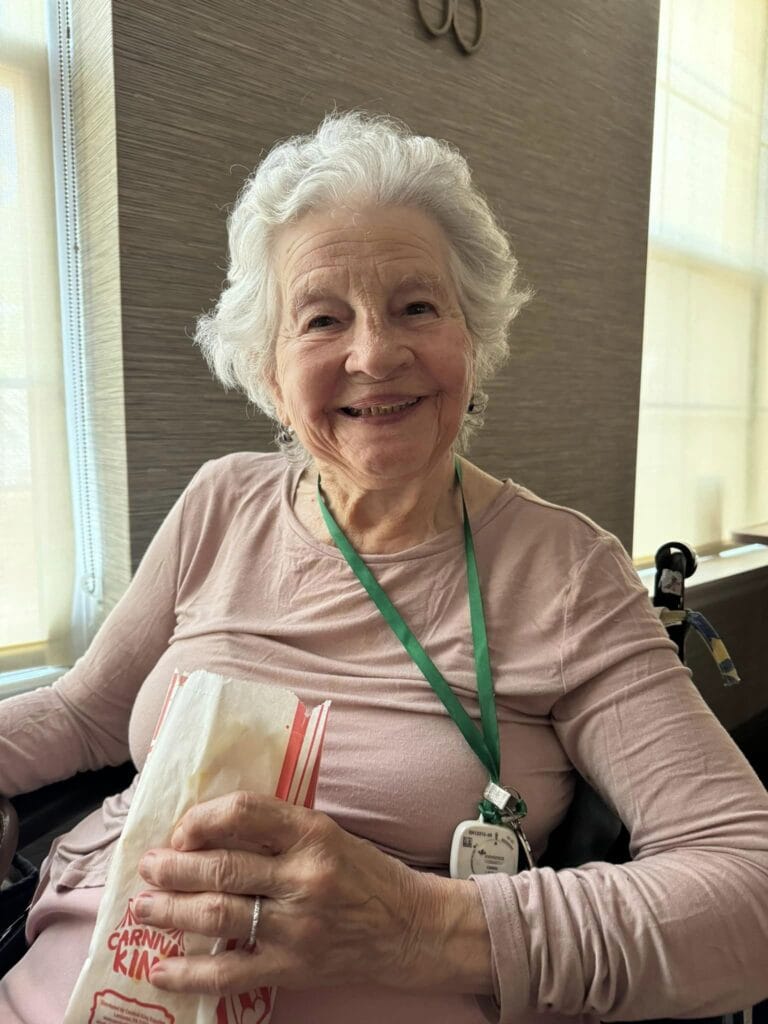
[
  {"x": 703, "y": 432},
  {"x": 49, "y": 539},
  {"x": 36, "y": 530}
]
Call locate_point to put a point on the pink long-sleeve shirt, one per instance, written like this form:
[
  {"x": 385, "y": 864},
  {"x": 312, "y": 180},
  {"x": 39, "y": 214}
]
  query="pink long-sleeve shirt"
[{"x": 585, "y": 679}]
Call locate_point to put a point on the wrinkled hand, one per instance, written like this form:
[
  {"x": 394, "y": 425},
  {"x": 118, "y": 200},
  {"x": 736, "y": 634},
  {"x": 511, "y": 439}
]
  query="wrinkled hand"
[{"x": 335, "y": 909}]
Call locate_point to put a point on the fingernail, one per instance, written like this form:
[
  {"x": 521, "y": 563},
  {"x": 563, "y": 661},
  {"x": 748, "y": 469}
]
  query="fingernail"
[
  {"x": 177, "y": 839},
  {"x": 157, "y": 971},
  {"x": 142, "y": 906},
  {"x": 147, "y": 861}
]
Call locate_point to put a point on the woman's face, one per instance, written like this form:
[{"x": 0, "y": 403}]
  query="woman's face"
[{"x": 373, "y": 360}]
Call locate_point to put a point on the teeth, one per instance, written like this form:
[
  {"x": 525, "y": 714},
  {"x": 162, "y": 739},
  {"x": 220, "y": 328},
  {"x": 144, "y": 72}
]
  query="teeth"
[{"x": 382, "y": 410}]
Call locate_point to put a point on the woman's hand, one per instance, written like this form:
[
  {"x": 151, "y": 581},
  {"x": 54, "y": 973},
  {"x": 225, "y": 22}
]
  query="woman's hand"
[{"x": 335, "y": 909}]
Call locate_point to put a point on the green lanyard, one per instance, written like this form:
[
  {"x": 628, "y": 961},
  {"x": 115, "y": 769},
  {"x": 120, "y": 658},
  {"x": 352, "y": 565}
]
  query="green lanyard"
[{"x": 485, "y": 743}]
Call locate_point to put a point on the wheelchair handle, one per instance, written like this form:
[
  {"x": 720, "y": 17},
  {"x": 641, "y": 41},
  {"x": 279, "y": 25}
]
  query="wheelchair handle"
[{"x": 675, "y": 563}]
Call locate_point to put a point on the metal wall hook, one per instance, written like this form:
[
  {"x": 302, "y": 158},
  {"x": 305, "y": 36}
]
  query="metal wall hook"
[{"x": 452, "y": 20}]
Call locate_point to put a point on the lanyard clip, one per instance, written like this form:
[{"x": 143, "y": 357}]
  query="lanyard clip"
[
  {"x": 507, "y": 802},
  {"x": 497, "y": 795}
]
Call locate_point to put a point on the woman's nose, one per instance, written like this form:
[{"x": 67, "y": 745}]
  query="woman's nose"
[{"x": 377, "y": 350}]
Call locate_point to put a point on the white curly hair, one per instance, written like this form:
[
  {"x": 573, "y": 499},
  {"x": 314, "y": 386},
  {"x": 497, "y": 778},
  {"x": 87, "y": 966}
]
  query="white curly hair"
[{"x": 372, "y": 159}]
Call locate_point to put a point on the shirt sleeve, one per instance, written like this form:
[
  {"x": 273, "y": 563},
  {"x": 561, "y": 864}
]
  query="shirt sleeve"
[
  {"x": 81, "y": 721},
  {"x": 681, "y": 930}
]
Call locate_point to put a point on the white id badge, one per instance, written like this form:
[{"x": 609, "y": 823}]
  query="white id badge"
[{"x": 479, "y": 848}]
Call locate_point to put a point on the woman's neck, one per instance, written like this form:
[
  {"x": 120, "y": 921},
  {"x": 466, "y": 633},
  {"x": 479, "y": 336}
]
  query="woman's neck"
[
  {"x": 391, "y": 520},
  {"x": 385, "y": 520}
]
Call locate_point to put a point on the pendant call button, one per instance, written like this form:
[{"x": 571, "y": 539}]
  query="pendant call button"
[{"x": 479, "y": 848}]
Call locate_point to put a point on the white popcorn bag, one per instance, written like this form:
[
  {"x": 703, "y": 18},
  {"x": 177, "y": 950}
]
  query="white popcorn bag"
[{"x": 214, "y": 735}]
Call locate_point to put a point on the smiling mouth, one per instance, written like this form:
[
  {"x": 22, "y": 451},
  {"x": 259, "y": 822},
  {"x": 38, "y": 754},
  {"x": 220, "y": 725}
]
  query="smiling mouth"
[{"x": 380, "y": 410}]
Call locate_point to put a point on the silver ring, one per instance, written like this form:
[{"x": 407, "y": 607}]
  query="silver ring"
[{"x": 254, "y": 920}]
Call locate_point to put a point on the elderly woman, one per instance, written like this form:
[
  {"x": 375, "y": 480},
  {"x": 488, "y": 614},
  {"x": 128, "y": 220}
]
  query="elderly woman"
[{"x": 464, "y": 629}]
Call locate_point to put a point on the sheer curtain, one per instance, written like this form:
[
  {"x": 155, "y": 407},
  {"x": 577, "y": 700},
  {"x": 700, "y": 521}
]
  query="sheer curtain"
[
  {"x": 702, "y": 466},
  {"x": 36, "y": 530}
]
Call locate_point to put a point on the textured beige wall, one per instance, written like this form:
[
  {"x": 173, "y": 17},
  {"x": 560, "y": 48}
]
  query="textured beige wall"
[{"x": 554, "y": 112}]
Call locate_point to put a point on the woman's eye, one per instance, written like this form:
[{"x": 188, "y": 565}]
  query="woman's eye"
[
  {"x": 318, "y": 322},
  {"x": 419, "y": 308}
]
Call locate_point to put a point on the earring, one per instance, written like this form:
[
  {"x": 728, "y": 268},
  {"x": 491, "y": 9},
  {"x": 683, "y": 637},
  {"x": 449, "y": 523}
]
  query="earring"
[{"x": 284, "y": 434}]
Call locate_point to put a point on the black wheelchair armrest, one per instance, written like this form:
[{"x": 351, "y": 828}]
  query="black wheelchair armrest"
[{"x": 9, "y": 835}]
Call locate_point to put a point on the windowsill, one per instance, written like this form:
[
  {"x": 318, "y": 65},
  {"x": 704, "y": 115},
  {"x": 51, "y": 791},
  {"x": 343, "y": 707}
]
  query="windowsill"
[
  {"x": 26, "y": 679},
  {"x": 713, "y": 568}
]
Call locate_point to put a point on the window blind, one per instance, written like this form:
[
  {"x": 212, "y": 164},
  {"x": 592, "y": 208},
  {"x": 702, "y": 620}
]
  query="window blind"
[{"x": 63, "y": 497}]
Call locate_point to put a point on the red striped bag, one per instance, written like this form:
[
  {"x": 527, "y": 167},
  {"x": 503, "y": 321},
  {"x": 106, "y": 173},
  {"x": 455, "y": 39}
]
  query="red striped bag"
[{"x": 214, "y": 735}]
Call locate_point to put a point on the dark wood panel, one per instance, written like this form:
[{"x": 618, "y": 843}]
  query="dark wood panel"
[
  {"x": 738, "y": 609},
  {"x": 554, "y": 113}
]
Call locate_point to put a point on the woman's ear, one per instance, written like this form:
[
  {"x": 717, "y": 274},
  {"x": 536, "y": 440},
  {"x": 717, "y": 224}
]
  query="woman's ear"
[
  {"x": 471, "y": 376},
  {"x": 277, "y": 397}
]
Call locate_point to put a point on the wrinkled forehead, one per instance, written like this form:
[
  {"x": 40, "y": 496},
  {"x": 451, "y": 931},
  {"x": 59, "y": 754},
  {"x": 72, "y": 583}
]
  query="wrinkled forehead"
[{"x": 342, "y": 248}]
